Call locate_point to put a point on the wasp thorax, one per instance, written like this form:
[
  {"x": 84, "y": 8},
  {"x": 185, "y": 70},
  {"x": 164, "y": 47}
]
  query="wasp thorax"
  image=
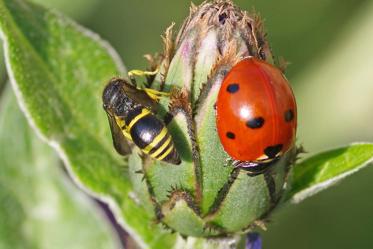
[
  {"x": 207, "y": 195},
  {"x": 115, "y": 99}
]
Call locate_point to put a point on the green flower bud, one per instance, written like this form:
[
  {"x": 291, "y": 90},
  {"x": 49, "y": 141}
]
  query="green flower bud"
[{"x": 206, "y": 196}]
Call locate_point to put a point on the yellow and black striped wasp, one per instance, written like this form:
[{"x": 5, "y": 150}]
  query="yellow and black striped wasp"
[{"x": 130, "y": 111}]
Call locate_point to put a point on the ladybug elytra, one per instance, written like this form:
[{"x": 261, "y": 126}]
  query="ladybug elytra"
[{"x": 256, "y": 114}]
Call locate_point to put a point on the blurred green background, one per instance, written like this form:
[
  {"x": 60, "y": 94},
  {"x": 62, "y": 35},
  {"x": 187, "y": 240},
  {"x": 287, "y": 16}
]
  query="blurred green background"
[{"x": 329, "y": 44}]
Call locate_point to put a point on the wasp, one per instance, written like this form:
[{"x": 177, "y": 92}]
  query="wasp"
[{"x": 131, "y": 115}]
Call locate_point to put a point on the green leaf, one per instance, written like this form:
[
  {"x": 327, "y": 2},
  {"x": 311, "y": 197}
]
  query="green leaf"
[
  {"x": 79, "y": 10},
  {"x": 39, "y": 207},
  {"x": 325, "y": 169},
  {"x": 58, "y": 71}
]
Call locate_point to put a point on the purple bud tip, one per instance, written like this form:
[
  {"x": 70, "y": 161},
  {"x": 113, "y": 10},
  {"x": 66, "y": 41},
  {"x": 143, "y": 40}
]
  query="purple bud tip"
[{"x": 253, "y": 241}]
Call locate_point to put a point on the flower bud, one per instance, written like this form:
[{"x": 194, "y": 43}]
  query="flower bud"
[{"x": 206, "y": 196}]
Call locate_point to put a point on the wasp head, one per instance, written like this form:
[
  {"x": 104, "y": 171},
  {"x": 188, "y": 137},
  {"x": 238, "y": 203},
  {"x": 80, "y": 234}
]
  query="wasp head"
[{"x": 114, "y": 97}]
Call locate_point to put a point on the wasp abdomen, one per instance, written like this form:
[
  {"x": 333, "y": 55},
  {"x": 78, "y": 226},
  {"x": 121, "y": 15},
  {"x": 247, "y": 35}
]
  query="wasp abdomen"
[{"x": 151, "y": 136}]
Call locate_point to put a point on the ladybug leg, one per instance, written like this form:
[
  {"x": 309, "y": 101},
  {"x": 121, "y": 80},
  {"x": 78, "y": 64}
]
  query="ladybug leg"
[
  {"x": 245, "y": 165},
  {"x": 253, "y": 168},
  {"x": 229, "y": 161}
]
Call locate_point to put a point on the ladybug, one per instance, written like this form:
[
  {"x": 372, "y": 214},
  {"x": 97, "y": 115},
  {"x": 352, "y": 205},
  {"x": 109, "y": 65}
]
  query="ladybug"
[{"x": 256, "y": 114}]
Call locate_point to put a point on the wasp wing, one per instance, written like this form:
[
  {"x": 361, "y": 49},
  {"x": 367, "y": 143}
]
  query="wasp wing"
[
  {"x": 120, "y": 142},
  {"x": 140, "y": 96}
]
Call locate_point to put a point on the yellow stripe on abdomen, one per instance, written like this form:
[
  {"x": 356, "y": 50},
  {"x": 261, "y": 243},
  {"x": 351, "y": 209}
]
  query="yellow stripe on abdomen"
[
  {"x": 143, "y": 113},
  {"x": 123, "y": 127},
  {"x": 166, "y": 153},
  {"x": 160, "y": 149},
  {"x": 155, "y": 141}
]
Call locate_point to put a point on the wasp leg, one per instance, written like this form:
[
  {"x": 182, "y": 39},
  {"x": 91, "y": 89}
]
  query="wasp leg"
[
  {"x": 152, "y": 93},
  {"x": 133, "y": 73},
  {"x": 155, "y": 94},
  {"x": 136, "y": 72}
]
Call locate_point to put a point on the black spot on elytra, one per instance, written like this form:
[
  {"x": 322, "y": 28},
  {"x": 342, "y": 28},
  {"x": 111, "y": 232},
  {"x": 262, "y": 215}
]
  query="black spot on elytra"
[
  {"x": 230, "y": 135},
  {"x": 255, "y": 123},
  {"x": 289, "y": 115},
  {"x": 271, "y": 151},
  {"x": 232, "y": 88}
]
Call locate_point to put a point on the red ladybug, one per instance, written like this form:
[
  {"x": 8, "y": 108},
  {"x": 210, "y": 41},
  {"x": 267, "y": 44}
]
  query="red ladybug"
[{"x": 256, "y": 114}]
